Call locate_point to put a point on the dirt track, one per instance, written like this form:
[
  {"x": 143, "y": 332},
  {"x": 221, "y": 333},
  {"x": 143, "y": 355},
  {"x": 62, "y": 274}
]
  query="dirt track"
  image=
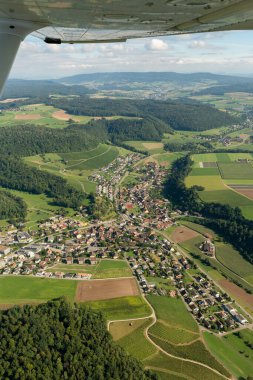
[{"x": 106, "y": 289}]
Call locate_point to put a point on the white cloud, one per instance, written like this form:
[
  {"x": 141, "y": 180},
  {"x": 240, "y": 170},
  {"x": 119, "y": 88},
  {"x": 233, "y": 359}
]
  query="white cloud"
[
  {"x": 156, "y": 44},
  {"x": 198, "y": 44}
]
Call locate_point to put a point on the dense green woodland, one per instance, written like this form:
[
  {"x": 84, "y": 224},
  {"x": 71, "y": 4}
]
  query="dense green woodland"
[
  {"x": 120, "y": 130},
  {"x": 179, "y": 115},
  {"x": 224, "y": 219},
  {"x": 56, "y": 341},
  {"x": 28, "y": 140},
  {"x": 197, "y": 147},
  {"x": 11, "y": 206}
]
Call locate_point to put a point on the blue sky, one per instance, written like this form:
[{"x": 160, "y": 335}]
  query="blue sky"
[{"x": 222, "y": 52}]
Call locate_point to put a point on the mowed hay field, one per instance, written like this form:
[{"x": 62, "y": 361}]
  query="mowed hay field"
[
  {"x": 232, "y": 169},
  {"x": 22, "y": 290}
]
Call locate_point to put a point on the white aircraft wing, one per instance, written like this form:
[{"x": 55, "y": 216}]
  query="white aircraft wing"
[{"x": 76, "y": 21}]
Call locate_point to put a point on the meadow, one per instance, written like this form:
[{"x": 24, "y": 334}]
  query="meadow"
[
  {"x": 121, "y": 308},
  {"x": 216, "y": 180},
  {"x": 151, "y": 147},
  {"x": 45, "y": 115},
  {"x": 177, "y": 333},
  {"x": 112, "y": 269},
  {"x": 172, "y": 312},
  {"x": 169, "y": 366},
  {"x": 135, "y": 342},
  {"x": 21, "y": 290},
  {"x": 39, "y": 207},
  {"x": 104, "y": 269},
  {"x": 231, "y": 258},
  {"x": 232, "y": 351},
  {"x": 76, "y": 167}
]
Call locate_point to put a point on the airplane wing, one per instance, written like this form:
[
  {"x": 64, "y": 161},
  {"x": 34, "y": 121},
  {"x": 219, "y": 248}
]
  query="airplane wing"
[{"x": 89, "y": 21}]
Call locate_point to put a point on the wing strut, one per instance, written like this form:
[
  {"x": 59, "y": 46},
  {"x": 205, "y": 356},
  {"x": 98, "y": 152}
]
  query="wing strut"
[{"x": 12, "y": 33}]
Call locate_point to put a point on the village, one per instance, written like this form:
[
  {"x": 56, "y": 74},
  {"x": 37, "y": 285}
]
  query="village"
[
  {"x": 136, "y": 236},
  {"x": 110, "y": 175}
]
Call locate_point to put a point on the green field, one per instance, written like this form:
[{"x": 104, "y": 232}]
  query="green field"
[
  {"x": 151, "y": 147},
  {"x": 166, "y": 159},
  {"x": 217, "y": 271},
  {"x": 39, "y": 207},
  {"x": 195, "y": 351},
  {"x": 76, "y": 167},
  {"x": 172, "y": 366},
  {"x": 172, "y": 334},
  {"x": 215, "y": 180},
  {"x": 173, "y": 312},
  {"x": 121, "y": 308},
  {"x": 104, "y": 269},
  {"x": 135, "y": 342},
  {"x": 230, "y": 258},
  {"x": 45, "y": 116},
  {"x": 21, "y": 290},
  {"x": 236, "y": 170},
  {"x": 177, "y": 333},
  {"x": 233, "y": 352},
  {"x": 113, "y": 269}
]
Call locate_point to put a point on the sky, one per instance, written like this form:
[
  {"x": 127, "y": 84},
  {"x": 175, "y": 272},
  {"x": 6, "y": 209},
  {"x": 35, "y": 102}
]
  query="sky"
[{"x": 219, "y": 52}]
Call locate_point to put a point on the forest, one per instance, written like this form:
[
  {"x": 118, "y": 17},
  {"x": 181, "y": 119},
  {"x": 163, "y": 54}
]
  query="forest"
[
  {"x": 58, "y": 341},
  {"x": 29, "y": 140},
  {"x": 11, "y": 207},
  {"x": 15, "y": 174},
  {"x": 179, "y": 115},
  {"x": 196, "y": 147},
  {"x": 120, "y": 130},
  {"x": 227, "y": 221}
]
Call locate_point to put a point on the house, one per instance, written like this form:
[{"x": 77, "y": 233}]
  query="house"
[
  {"x": 69, "y": 260},
  {"x": 93, "y": 260},
  {"x": 4, "y": 250},
  {"x": 81, "y": 260},
  {"x": 241, "y": 319},
  {"x": 208, "y": 247}
]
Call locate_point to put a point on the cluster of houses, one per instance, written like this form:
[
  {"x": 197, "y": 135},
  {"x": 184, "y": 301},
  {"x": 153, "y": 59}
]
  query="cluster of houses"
[
  {"x": 157, "y": 265},
  {"x": 143, "y": 202},
  {"x": 208, "y": 304},
  {"x": 109, "y": 176}
]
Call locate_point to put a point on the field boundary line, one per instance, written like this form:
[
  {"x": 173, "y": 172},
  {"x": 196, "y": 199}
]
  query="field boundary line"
[
  {"x": 91, "y": 158},
  {"x": 173, "y": 356},
  {"x": 175, "y": 344},
  {"x": 179, "y": 374},
  {"x": 230, "y": 188}
]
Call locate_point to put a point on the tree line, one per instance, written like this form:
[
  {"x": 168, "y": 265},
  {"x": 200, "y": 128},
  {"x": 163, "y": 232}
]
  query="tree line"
[
  {"x": 58, "y": 341},
  {"x": 179, "y": 114},
  {"x": 28, "y": 140},
  {"x": 11, "y": 206},
  {"x": 16, "y": 175},
  {"x": 227, "y": 221}
]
